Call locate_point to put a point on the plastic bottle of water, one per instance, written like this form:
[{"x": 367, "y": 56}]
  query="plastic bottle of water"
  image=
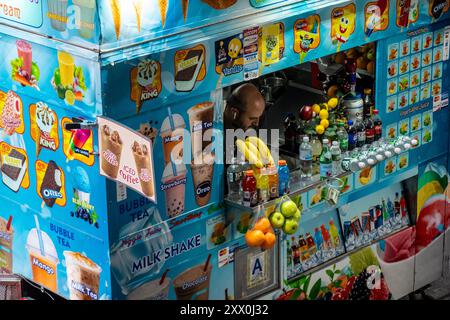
[
  {"x": 305, "y": 159},
  {"x": 342, "y": 137},
  {"x": 336, "y": 158},
  {"x": 234, "y": 180}
]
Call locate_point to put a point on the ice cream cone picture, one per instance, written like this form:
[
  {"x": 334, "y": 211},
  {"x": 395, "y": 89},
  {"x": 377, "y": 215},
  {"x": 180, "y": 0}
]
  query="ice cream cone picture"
[
  {"x": 50, "y": 183},
  {"x": 163, "y": 5},
  {"x": 146, "y": 82},
  {"x": 185, "y": 5},
  {"x": 44, "y": 127},
  {"x": 137, "y": 5},
  {"x": 11, "y": 113},
  {"x": 143, "y": 167},
  {"x": 115, "y": 9},
  {"x": 342, "y": 24},
  {"x": 306, "y": 35}
]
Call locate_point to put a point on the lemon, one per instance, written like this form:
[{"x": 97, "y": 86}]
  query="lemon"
[
  {"x": 320, "y": 129},
  {"x": 332, "y": 103},
  {"x": 316, "y": 108},
  {"x": 324, "y": 123},
  {"x": 70, "y": 97},
  {"x": 323, "y": 114}
]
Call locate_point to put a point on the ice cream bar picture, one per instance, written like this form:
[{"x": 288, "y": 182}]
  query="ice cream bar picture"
[
  {"x": 14, "y": 167},
  {"x": 11, "y": 118},
  {"x": 51, "y": 184},
  {"x": 188, "y": 70}
]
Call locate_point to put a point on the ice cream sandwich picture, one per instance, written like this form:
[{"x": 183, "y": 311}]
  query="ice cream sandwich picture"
[
  {"x": 189, "y": 68},
  {"x": 44, "y": 127},
  {"x": 50, "y": 183},
  {"x": 11, "y": 113},
  {"x": 14, "y": 167}
]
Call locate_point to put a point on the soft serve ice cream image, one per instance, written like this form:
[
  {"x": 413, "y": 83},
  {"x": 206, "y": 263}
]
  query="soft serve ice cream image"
[{"x": 45, "y": 120}]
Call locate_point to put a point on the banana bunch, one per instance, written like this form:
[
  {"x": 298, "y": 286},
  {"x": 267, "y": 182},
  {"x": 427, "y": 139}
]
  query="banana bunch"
[{"x": 255, "y": 151}]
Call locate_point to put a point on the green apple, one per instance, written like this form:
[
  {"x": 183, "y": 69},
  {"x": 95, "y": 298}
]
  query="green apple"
[
  {"x": 288, "y": 208},
  {"x": 290, "y": 226},
  {"x": 297, "y": 215},
  {"x": 371, "y": 55},
  {"x": 277, "y": 219}
]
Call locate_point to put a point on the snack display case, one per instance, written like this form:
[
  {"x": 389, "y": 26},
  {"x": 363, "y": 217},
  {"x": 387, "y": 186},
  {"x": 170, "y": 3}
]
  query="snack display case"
[{"x": 110, "y": 189}]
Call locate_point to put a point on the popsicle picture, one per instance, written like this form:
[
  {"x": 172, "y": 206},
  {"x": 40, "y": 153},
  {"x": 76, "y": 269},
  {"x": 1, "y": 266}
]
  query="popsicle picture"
[
  {"x": 342, "y": 24},
  {"x": 77, "y": 144},
  {"x": 24, "y": 70},
  {"x": 11, "y": 113},
  {"x": 437, "y": 8},
  {"x": 376, "y": 16},
  {"x": 306, "y": 35}
]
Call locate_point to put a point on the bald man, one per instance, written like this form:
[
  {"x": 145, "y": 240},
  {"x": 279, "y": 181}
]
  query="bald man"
[{"x": 244, "y": 108}]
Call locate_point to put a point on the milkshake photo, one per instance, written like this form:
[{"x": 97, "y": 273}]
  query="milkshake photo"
[
  {"x": 157, "y": 289},
  {"x": 83, "y": 276},
  {"x": 193, "y": 284}
]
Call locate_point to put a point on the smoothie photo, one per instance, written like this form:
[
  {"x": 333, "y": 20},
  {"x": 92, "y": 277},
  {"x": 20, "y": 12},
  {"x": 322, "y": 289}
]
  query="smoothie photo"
[
  {"x": 85, "y": 21},
  {"x": 83, "y": 276},
  {"x": 57, "y": 13}
]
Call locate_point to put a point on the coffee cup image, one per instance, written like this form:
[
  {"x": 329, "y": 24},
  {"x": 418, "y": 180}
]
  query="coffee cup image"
[{"x": 111, "y": 151}]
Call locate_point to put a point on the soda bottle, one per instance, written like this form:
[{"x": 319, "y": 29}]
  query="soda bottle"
[
  {"x": 326, "y": 163},
  {"x": 370, "y": 130},
  {"x": 306, "y": 159},
  {"x": 342, "y": 137},
  {"x": 336, "y": 158},
  {"x": 367, "y": 103},
  {"x": 289, "y": 254},
  {"x": 283, "y": 178},
  {"x": 234, "y": 180},
  {"x": 327, "y": 243},
  {"x": 295, "y": 252},
  {"x": 311, "y": 244},
  {"x": 249, "y": 189},
  {"x": 262, "y": 185},
  {"x": 352, "y": 136},
  {"x": 397, "y": 205},
  {"x": 385, "y": 213},
  {"x": 334, "y": 234},
  {"x": 304, "y": 252},
  {"x": 378, "y": 125},
  {"x": 360, "y": 132},
  {"x": 318, "y": 238},
  {"x": 316, "y": 147},
  {"x": 403, "y": 209},
  {"x": 273, "y": 181}
]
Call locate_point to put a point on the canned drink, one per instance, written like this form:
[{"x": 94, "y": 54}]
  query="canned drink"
[
  {"x": 365, "y": 218},
  {"x": 356, "y": 226},
  {"x": 347, "y": 229},
  {"x": 379, "y": 217}
]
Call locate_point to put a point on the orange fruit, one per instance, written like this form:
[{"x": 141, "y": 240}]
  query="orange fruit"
[
  {"x": 263, "y": 225},
  {"x": 332, "y": 91},
  {"x": 269, "y": 240},
  {"x": 254, "y": 238}
]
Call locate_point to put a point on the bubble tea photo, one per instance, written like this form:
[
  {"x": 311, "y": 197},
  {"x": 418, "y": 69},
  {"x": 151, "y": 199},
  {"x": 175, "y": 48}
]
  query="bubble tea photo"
[
  {"x": 83, "y": 276},
  {"x": 43, "y": 258}
]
